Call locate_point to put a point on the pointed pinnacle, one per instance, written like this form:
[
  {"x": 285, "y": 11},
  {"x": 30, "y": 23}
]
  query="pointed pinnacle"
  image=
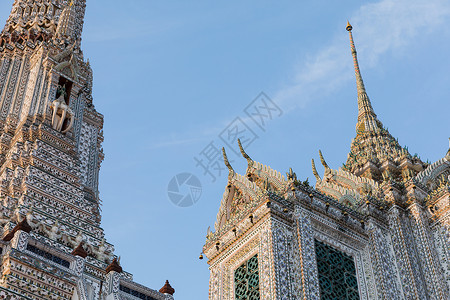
[
  {"x": 349, "y": 27},
  {"x": 367, "y": 119}
]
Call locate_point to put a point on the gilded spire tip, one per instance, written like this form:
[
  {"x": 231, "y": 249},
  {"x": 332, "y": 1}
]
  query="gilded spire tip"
[
  {"x": 367, "y": 119},
  {"x": 349, "y": 27}
]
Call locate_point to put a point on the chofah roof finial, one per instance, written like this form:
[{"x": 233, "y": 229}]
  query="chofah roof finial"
[
  {"x": 313, "y": 164},
  {"x": 322, "y": 160},
  {"x": 244, "y": 154},
  {"x": 324, "y": 163},
  {"x": 227, "y": 163}
]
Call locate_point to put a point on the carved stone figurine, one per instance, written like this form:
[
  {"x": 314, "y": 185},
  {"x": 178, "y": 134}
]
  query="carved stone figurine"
[
  {"x": 100, "y": 253},
  {"x": 53, "y": 233},
  {"x": 77, "y": 240},
  {"x": 61, "y": 112}
]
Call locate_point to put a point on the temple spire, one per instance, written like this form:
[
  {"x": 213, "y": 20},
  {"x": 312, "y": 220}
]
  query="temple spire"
[
  {"x": 43, "y": 20},
  {"x": 67, "y": 22},
  {"x": 367, "y": 119}
]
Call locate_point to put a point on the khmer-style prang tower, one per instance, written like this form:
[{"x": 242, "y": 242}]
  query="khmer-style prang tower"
[
  {"x": 52, "y": 244},
  {"x": 377, "y": 228}
]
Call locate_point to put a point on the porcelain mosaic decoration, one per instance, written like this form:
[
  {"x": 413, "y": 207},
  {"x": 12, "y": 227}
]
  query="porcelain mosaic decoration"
[
  {"x": 377, "y": 228},
  {"x": 52, "y": 244}
]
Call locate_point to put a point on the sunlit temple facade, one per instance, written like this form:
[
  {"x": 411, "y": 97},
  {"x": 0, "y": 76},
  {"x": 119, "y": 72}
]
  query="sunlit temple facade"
[
  {"x": 52, "y": 243},
  {"x": 376, "y": 228}
]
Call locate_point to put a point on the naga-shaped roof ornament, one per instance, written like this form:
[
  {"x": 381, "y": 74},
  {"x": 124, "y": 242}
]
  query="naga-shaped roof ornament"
[
  {"x": 313, "y": 165},
  {"x": 227, "y": 163},
  {"x": 324, "y": 163},
  {"x": 245, "y": 155}
]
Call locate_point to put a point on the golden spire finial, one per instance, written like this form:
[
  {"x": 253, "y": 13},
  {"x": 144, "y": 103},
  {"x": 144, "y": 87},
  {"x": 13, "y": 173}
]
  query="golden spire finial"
[
  {"x": 367, "y": 119},
  {"x": 349, "y": 27}
]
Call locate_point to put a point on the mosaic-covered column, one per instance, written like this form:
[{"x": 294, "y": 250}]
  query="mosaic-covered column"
[
  {"x": 307, "y": 258},
  {"x": 431, "y": 269},
  {"x": 383, "y": 262},
  {"x": 406, "y": 256}
]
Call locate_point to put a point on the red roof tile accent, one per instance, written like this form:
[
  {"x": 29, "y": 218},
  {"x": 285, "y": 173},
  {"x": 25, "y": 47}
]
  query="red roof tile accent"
[
  {"x": 167, "y": 289},
  {"x": 79, "y": 251},
  {"x": 23, "y": 225},
  {"x": 114, "y": 266}
]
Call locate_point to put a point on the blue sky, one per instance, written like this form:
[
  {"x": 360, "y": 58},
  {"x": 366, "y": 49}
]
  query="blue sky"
[{"x": 170, "y": 76}]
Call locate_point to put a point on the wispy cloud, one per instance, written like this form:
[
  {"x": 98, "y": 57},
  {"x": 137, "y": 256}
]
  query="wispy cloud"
[{"x": 379, "y": 27}]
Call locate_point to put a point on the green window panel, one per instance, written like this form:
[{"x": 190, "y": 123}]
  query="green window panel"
[
  {"x": 337, "y": 274},
  {"x": 246, "y": 280}
]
